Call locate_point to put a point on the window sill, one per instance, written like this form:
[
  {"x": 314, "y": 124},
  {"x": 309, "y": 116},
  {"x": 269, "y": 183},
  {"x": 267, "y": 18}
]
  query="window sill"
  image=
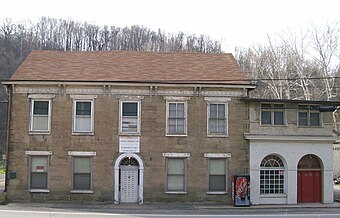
[
  {"x": 217, "y": 193},
  {"x": 39, "y": 133},
  {"x": 81, "y": 192},
  {"x": 273, "y": 195},
  {"x": 39, "y": 190},
  {"x": 310, "y": 126},
  {"x": 83, "y": 133},
  {"x": 217, "y": 136},
  {"x": 176, "y": 193},
  {"x": 272, "y": 125},
  {"x": 172, "y": 135},
  {"x": 129, "y": 134}
]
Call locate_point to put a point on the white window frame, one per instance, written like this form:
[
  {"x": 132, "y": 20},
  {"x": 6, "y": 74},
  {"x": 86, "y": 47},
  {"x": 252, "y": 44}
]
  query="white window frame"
[
  {"x": 40, "y": 97},
  {"x": 216, "y": 134},
  {"x": 33, "y": 154},
  {"x": 81, "y": 154},
  {"x": 185, "y": 133},
  {"x": 75, "y": 101},
  {"x": 217, "y": 156},
  {"x": 185, "y": 163},
  {"x": 121, "y": 102},
  {"x": 272, "y": 171}
]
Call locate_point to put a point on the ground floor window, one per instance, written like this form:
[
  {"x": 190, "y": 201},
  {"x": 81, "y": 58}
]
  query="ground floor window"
[
  {"x": 39, "y": 172},
  {"x": 217, "y": 175},
  {"x": 82, "y": 176},
  {"x": 176, "y": 176},
  {"x": 272, "y": 173}
]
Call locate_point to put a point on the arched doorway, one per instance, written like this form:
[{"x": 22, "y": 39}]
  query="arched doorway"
[
  {"x": 128, "y": 182},
  {"x": 309, "y": 179}
]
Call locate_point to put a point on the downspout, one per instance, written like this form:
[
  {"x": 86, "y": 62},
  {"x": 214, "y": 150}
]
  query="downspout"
[{"x": 9, "y": 93}]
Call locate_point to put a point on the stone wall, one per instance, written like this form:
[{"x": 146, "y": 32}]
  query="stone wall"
[{"x": 104, "y": 142}]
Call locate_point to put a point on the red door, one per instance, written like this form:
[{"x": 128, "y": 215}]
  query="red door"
[{"x": 309, "y": 186}]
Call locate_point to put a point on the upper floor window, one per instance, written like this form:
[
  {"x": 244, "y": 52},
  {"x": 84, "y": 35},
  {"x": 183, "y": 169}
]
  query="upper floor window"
[
  {"x": 40, "y": 116},
  {"x": 176, "y": 118},
  {"x": 83, "y": 113},
  {"x": 83, "y": 116},
  {"x": 272, "y": 114},
  {"x": 130, "y": 117},
  {"x": 217, "y": 119},
  {"x": 309, "y": 115}
]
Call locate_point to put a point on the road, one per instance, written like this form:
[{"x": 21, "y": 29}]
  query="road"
[{"x": 232, "y": 213}]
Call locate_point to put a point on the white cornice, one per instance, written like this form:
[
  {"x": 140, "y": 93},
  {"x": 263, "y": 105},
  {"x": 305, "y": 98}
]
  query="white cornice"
[
  {"x": 128, "y": 90},
  {"x": 133, "y": 84},
  {"x": 257, "y": 137}
]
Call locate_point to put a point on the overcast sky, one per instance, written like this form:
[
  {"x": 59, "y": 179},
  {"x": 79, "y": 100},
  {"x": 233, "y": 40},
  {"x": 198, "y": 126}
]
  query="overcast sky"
[{"x": 239, "y": 23}]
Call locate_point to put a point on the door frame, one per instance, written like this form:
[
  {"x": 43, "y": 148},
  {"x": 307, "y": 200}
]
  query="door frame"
[{"x": 116, "y": 195}]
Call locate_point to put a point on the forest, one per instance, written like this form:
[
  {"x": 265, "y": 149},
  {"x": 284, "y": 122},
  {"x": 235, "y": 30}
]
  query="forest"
[{"x": 292, "y": 65}]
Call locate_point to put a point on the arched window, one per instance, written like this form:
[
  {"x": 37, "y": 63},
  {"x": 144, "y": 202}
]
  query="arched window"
[
  {"x": 129, "y": 161},
  {"x": 272, "y": 173}
]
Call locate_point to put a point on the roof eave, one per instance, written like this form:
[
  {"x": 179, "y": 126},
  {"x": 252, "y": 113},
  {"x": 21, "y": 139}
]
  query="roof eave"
[
  {"x": 132, "y": 83},
  {"x": 264, "y": 100}
]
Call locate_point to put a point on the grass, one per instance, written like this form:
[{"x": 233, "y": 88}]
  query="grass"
[{"x": 2, "y": 167}]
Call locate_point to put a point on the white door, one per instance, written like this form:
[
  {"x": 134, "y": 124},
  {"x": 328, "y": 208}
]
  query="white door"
[{"x": 129, "y": 184}]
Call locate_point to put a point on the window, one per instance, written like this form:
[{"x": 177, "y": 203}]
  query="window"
[
  {"x": 272, "y": 114},
  {"x": 309, "y": 115},
  {"x": 39, "y": 172},
  {"x": 272, "y": 175},
  {"x": 176, "y": 168},
  {"x": 217, "y": 119},
  {"x": 176, "y": 118},
  {"x": 130, "y": 117},
  {"x": 40, "y": 116},
  {"x": 217, "y": 175},
  {"x": 82, "y": 173},
  {"x": 83, "y": 116}
]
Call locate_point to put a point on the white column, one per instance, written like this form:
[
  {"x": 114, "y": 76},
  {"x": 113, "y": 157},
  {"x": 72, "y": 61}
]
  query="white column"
[
  {"x": 141, "y": 185},
  {"x": 254, "y": 187},
  {"x": 116, "y": 186},
  {"x": 328, "y": 195},
  {"x": 291, "y": 187}
]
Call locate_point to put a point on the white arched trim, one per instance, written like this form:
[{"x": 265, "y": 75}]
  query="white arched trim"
[{"x": 116, "y": 176}]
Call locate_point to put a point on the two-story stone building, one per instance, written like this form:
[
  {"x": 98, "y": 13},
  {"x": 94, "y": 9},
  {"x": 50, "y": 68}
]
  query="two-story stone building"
[
  {"x": 126, "y": 126},
  {"x": 291, "y": 151}
]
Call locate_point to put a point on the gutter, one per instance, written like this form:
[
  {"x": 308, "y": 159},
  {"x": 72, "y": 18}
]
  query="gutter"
[{"x": 9, "y": 92}]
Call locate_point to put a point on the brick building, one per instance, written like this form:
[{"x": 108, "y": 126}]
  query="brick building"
[{"x": 126, "y": 126}]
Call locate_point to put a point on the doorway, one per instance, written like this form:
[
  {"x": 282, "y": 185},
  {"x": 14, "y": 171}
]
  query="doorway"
[
  {"x": 128, "y": 179},
  {"x": 309, "y": 179}
]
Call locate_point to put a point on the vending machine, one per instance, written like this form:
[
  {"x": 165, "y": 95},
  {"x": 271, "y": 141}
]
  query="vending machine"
[{"x": 240, "y": 190}]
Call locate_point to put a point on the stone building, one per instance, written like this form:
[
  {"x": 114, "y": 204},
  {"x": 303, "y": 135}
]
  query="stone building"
[
  {"x": 291, "y": 151},
  {"x": 126, "y": 126}
]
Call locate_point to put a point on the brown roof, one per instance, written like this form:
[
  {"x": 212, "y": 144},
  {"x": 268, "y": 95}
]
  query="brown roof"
[{"x": 130, "y": 66}]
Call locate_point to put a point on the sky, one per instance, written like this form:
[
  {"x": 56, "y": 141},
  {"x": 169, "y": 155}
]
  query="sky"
[{"x": 236, "y": 23}]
